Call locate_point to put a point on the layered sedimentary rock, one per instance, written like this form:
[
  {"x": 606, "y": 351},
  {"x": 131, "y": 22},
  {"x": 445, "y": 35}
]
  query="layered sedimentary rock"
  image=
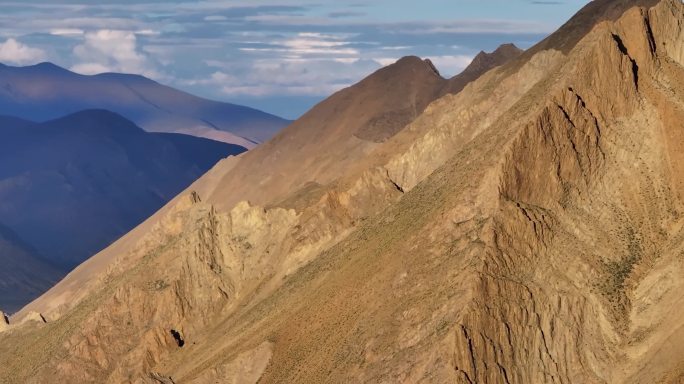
[{"x": 525, "y": 230}]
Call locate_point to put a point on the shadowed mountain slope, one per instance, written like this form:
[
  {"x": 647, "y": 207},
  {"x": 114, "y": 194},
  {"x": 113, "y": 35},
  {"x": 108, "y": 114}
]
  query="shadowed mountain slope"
[
  {"x": 24, "y": 275},
  {"x": 71, "y": 186},
  {"x": 46, "y": 91}
]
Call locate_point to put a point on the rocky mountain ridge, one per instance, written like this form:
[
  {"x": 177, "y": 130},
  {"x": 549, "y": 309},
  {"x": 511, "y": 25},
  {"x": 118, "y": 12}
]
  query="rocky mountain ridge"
[{"x": 526, "y": 229}]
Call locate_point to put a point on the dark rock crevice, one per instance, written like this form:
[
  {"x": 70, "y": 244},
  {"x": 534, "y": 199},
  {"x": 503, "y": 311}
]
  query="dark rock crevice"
[
  {"x": 178, "y": 337},
  {"x": 623, "y": 49},
  {"x": 394, "y": 183}
]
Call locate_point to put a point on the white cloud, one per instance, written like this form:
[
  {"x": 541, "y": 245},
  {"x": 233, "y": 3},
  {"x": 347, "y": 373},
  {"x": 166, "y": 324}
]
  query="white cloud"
[
  {"x": 385, "y": 61},
  {"x": 14, "y": 52},
  {"x": 396, "y": 48},
  {"x": 346, "y": 60},
  {"x": 91, "y": 68},
  {"x": 288, "y": 76},
  {"x": 307, "y": 63},
  {"x": 147, "y": 32},
  {"x": 308, "y": 44},
  {"x": 469, "y": 26},
  {"x": 66, "y": 32},
  {"x": 215, "y": 18},
  {"x": 451, "y": 65},
  {"x": 112, "y": 51}
]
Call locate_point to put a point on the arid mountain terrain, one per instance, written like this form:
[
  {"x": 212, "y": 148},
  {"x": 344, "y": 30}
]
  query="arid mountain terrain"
[
  {"x": 46, "y": 91},
  {"x": 527, "y": 229},
  {"x": 70, "y": 187}
]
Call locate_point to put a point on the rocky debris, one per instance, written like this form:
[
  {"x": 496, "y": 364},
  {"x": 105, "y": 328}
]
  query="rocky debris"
[
  {"x": 161, "y": 379},
  {"x": 195, "y": 197},
  {"x": 245, "y": 368}
]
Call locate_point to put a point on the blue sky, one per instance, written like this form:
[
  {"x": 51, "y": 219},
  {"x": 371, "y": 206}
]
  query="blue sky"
[{"x": 281, "y": 56}]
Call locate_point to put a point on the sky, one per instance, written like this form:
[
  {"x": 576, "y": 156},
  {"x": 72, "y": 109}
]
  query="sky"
[{"x": 280, "y": 56}]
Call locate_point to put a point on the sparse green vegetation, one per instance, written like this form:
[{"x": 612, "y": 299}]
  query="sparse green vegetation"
[
  {"x": 613, "y": 287},
  {"x": 157, "y": 285}
]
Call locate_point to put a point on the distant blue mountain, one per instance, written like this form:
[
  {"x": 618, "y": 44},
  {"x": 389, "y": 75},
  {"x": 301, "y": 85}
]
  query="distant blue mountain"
[
  {"x": 71, "y": 186},
  {"x": 24, "y": 274},
  {"x": 45, "y": 91}
]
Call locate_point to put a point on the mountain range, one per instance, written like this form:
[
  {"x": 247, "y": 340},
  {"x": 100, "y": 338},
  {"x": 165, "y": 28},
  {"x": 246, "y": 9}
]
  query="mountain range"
[
  {"x": 525, "y": 226},
  {"x": 71, "y": 186},
  {"x": 46, "y": 91}
]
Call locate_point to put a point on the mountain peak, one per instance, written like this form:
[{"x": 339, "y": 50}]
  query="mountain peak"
[
  {"x": 96, "y": 120},
  {"x": 93, "y": 113},
  {"x": 413, "y": 64},
  {"x": 485, "y": 61},
  {"x": 48, "y": 67},
  {"x": 432, "y": 66},
  {"x": 596, "y": 11},
  {"x": 43, "y": 67},
  {"x": 507, "y": 49},
  {"x": 482, "y": 63}
]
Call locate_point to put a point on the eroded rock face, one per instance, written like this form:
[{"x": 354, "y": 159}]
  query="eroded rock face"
[
  {"x": 34, "y": 317},
  {"x": 246, "y": 368},
  {"x": 4, "y": 321},
  {"x": 526, "y": 230}
]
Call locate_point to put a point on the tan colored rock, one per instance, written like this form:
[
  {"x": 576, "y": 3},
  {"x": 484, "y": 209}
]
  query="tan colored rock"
[
  {"x": 526, "y": 230},
  {"x": 4, "y": 321},
  {"x": 329, "y": 140},
  {"x": 246, "y": 368},
  {"x": 34, "y": 317}
]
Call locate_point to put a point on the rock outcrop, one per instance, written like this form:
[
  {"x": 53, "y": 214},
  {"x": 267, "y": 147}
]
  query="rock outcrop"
[
  {"x": 4, "y": 321},
  {"x": 482, "y": 63},
  {"x": 525, "y": 230},
  {"x": 34, "y": 317}
]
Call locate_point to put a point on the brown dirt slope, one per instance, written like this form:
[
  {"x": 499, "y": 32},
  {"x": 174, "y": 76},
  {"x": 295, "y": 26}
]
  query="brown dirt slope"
[
  {"x": 525, "y": 230},
  {"x": 292, "y": 168}
]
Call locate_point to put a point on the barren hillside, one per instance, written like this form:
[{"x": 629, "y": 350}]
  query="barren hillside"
[{"x": 527, "y": 229}]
